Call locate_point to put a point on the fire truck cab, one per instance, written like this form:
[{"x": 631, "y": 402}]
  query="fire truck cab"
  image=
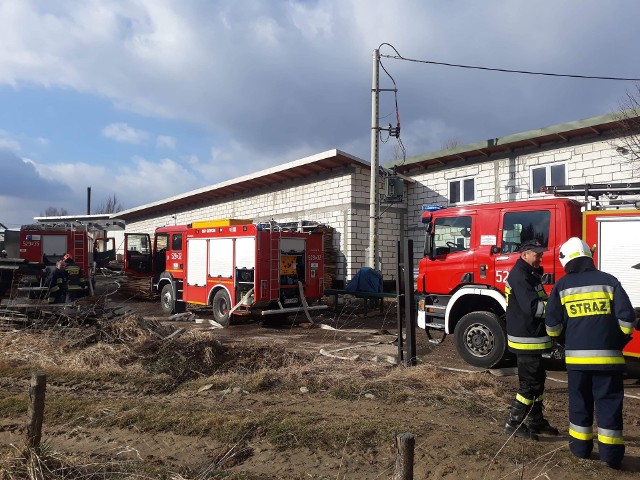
[
  {"x": 236, "y": 266},
  {"x": 470, "y": 250}
]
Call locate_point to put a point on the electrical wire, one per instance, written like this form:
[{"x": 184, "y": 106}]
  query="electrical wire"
[
  {"x": 507, "y": 70},
  {"x": 395, "y": 93}
]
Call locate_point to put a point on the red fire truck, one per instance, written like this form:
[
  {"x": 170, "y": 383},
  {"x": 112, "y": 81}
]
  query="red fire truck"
[
  {"x": 469, "y": 251},
  {"x": 236, "y": 266},
  {"x": 45, "y": 244}
]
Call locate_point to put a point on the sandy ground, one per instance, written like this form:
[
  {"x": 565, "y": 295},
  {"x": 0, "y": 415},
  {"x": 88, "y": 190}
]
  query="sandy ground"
[{"x": 450, "y": 443}]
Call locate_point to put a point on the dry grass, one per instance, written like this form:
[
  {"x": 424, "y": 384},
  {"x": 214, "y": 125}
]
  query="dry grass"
[{"x": 127, "y": 359}]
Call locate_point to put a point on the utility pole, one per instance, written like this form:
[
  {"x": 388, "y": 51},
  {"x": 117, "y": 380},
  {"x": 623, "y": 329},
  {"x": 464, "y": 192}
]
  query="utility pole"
[{"x": 372, "y": 260}]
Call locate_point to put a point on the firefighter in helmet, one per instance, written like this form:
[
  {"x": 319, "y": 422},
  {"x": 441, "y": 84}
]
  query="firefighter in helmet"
[
  {"x": 597, "y": 318},
  {"x": 57, "y": 283},
  {"x": 527, "y": 338},
  {"x": 73, "y": 277}
]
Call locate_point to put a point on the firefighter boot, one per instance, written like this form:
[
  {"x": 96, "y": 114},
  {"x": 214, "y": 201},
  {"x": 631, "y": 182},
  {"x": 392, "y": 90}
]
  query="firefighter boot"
[
  {"x": 515, "y": 423},
  {"x": 537, "y": 423}
]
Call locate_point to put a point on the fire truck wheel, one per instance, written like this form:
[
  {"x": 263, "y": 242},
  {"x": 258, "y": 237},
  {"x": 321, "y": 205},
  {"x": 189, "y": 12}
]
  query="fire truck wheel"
[
  {"x": 167, "y": 302},
  {"x": 481, "y": 339},
  {"x": 221, "y": 306}
]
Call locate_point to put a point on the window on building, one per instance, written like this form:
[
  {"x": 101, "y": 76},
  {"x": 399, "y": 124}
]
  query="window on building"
[
  {"x": 552, "y": 174},
  {"x": 519, "y": 227},
  {"x": 462, "y": 190}
]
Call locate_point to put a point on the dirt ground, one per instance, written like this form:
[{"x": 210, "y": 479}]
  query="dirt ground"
[{"x": 330, "y": 408}]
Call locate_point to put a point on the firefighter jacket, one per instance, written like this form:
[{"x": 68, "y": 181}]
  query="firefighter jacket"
[
  {"x": 526, "y": 302},
  {"x": 57, "y": 283},
  {"x": 596, "y": 315},
  {"x": 74, "y": 279}
]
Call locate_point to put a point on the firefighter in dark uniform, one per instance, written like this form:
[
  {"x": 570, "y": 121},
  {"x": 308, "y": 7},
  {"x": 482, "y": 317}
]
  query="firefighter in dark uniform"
[
  {"x": 527, "y": 338},
  {"x": 74, "y": 279},
  {"x": 57, "y": 283},
  {"x": 597, "y": 318}
]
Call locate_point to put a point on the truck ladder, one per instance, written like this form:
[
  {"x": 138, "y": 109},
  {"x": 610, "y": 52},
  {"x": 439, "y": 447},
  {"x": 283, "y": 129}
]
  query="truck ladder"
[
  {"x": 274, "y": 265},
  {"x": 592, "y": 189},
  {"x": 78, "y": 250},
  {"x": 611, "y": 192}
]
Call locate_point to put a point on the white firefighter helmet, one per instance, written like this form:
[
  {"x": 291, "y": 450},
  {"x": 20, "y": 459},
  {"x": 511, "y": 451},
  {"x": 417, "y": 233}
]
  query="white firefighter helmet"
[{"x": 573, "y": 248}]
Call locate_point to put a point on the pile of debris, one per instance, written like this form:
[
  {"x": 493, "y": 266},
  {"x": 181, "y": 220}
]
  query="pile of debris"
[
  {"x": 127, "y": 285},
  {"x": 42, "y": 315}
]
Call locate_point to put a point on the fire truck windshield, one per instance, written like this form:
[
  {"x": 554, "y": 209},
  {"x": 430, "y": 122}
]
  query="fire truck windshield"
[{"x": 451, "y": 234}]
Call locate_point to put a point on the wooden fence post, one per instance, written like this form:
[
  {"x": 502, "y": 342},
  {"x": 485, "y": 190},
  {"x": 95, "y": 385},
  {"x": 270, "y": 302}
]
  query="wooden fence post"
[
  {"x": 35, "y": 412},
  {"x": 405, "y": 442}
]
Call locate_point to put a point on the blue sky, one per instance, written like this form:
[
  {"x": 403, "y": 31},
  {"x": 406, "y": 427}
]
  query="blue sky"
[{"x": 146, "y": 99}]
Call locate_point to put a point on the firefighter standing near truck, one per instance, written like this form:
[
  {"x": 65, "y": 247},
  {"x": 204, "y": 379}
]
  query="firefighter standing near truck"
[
  {"x": 527, "y": 338},
  {"x": 57, "y": 283},
  {"x": 74, "y": 281},
  {"x": 597, "y": 318}
]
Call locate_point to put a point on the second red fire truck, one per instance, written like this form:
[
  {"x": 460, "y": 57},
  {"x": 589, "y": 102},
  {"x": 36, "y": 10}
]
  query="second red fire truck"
[
  {"x": 470, "y": 250},
  {"x": 44, "y": 244},
  {"x": 235, "y": 266}
]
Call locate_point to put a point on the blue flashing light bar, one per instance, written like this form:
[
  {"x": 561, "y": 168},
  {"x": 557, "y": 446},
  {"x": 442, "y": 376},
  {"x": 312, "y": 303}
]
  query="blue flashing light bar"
[{"x": 431, "y": 208}]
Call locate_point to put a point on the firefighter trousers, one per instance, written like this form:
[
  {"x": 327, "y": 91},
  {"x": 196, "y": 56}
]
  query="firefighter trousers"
[
  {"x": 606, "y": 390},
  {"x": 531, "y": 377}
]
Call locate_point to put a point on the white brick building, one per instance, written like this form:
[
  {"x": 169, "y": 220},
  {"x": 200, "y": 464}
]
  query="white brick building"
[
  {"x": 513, "y": 168},
  {"x": 333, "y": 187}
]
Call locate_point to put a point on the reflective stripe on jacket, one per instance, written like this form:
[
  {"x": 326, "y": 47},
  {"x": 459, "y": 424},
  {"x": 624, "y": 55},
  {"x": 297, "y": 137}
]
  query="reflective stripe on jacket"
[
  {"x": 526, "y": 304},
  {"x": 74, "y": 279},
  {"x": 595, "y": 312}
]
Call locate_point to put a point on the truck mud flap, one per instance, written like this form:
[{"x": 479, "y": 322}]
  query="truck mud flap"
[{"x": 436, "y": 327}]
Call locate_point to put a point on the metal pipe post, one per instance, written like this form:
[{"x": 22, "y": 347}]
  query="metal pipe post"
[{"x": 372, "y": 260}]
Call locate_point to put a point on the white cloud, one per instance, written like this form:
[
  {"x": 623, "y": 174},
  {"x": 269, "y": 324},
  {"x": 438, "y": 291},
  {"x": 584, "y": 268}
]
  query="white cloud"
[
  {"x": 297, "y": 73},
  {"x": 140, "y": 182},
  {"x": 166, "y": 141},
  {"x": 121, "y": 132},
  {"x": 8, "y": 142},
  {"x": 161, "y": 179},
  {"x": 271, "y": 82}
]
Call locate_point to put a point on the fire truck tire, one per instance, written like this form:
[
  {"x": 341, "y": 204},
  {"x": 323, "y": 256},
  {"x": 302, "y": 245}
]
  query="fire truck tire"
[
  {"x": 221, "y": 306},
  {"x": 481, "y": 339},
  {"x": 167, "y": 300}
]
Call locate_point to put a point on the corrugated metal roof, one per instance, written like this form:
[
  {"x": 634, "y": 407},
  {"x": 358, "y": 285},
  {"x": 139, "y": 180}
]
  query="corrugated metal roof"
[
  {"x": 563, "y": 132},
  {"x": 304, "y": 167}
]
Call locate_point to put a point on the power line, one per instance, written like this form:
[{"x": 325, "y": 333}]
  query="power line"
[{"x": 506, "y": 70}]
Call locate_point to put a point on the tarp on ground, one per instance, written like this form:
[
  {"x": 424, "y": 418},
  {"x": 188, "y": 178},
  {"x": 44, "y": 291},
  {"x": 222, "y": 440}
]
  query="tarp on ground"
[{"x": 366, "y": 280}]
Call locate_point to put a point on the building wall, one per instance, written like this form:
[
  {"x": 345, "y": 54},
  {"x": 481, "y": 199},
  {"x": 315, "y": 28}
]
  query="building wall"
[
  {"x": 339, "y": 200},
  {"x": 507, "y": 177}
]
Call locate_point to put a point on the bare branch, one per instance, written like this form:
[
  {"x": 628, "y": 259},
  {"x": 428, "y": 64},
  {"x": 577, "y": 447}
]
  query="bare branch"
[{"x": 110, "y": 205}]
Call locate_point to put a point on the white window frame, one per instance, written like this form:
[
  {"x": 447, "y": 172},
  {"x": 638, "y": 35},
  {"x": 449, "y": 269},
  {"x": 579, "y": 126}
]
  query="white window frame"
[
  {"x": 461, "y": 180},
  {"x": 547, "y": 169}
]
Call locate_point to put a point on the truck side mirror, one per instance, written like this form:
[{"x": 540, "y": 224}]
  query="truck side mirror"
[
  {"x": 495, "y": 250},
  {"x": 428, "y": 241}
]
